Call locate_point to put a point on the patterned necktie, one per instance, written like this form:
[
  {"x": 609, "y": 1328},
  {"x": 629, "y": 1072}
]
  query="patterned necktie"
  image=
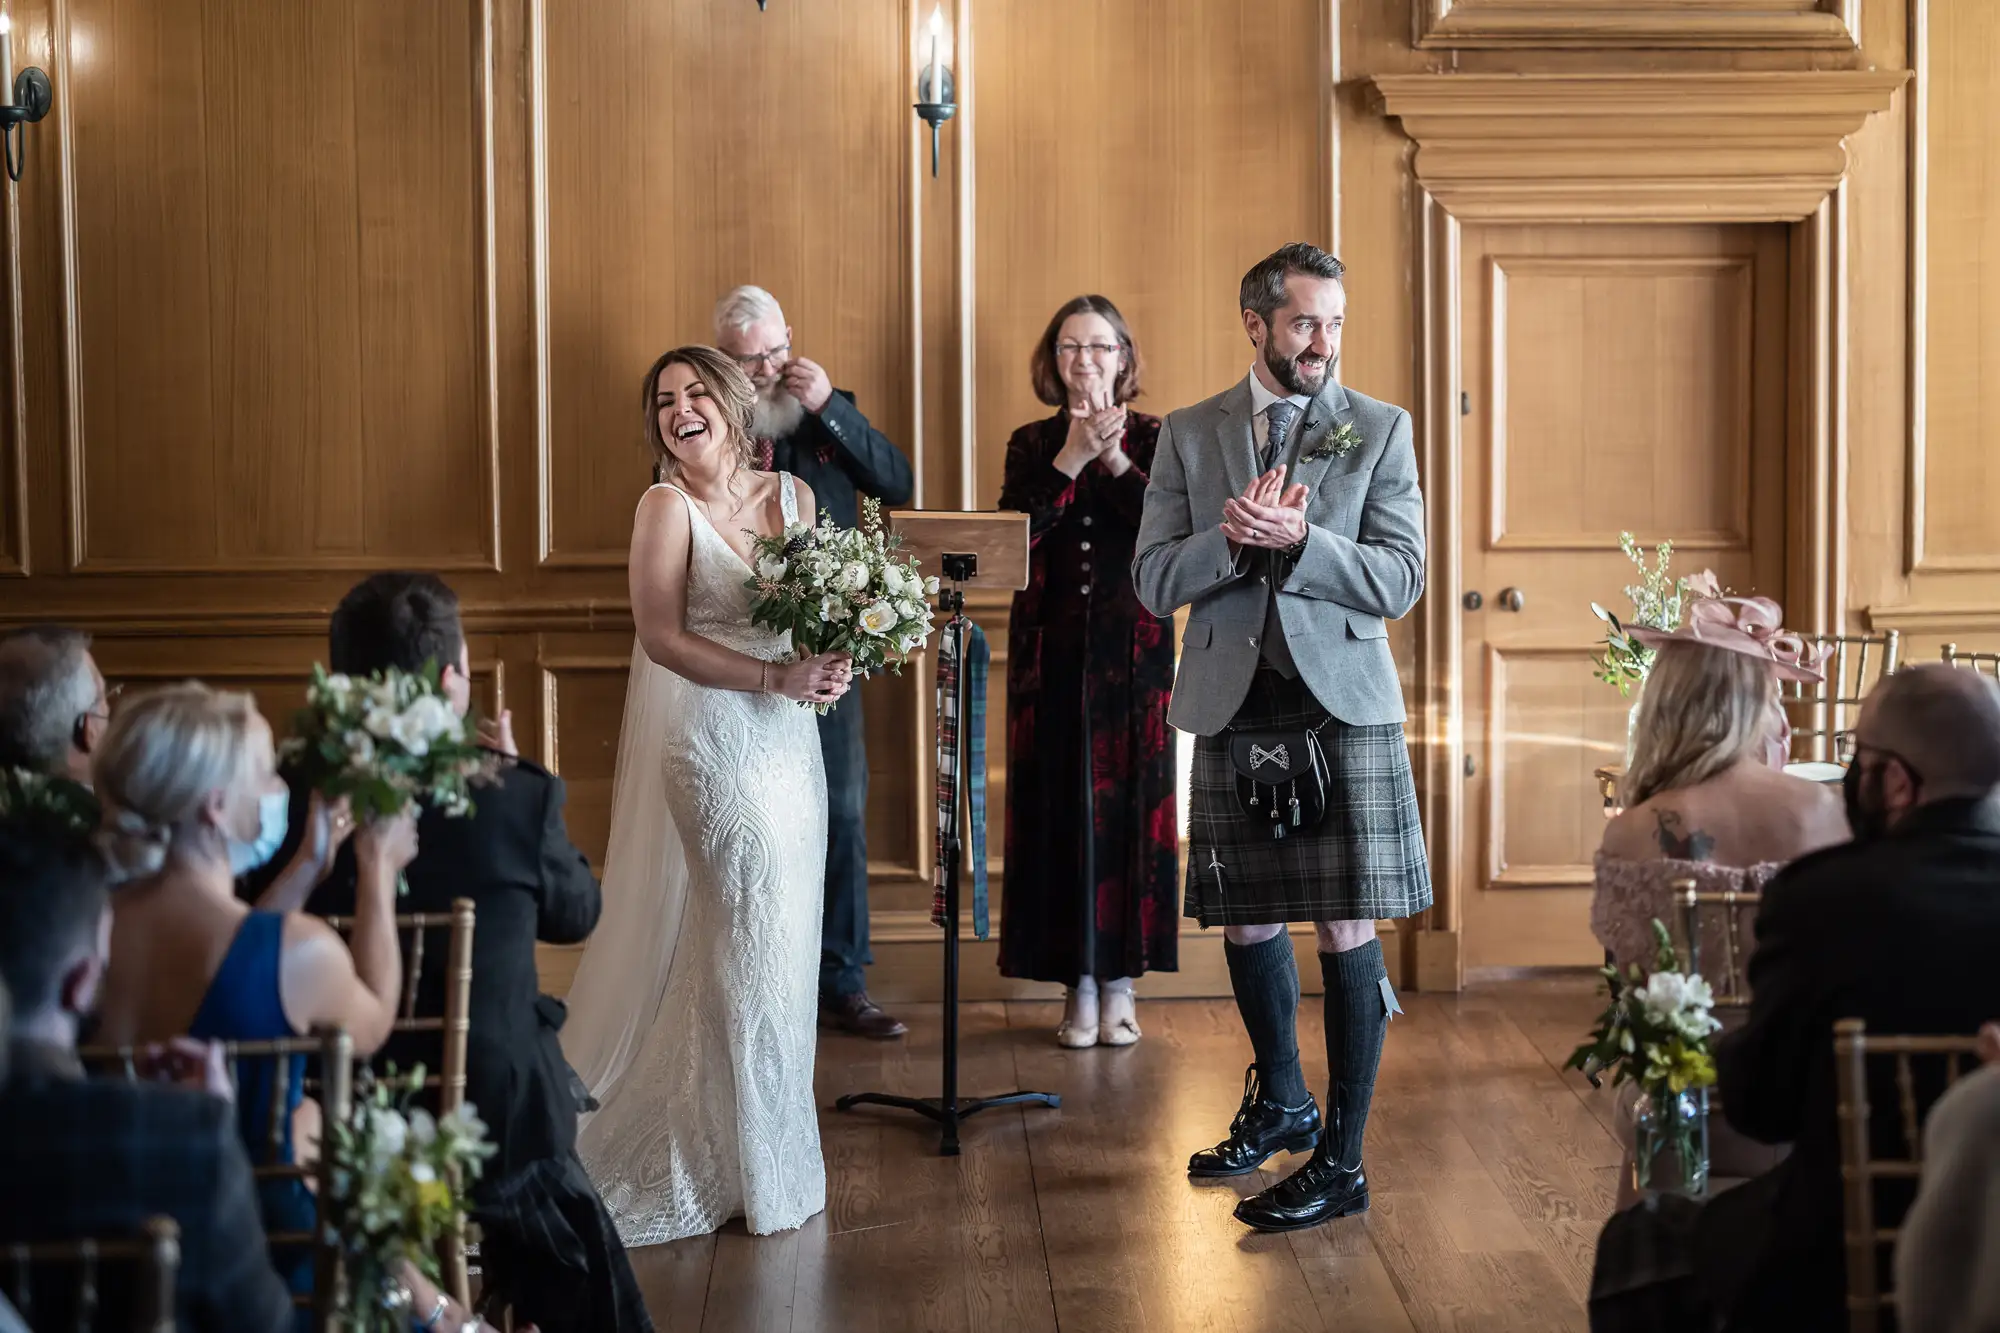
[{"x": 1278, "y": 418}]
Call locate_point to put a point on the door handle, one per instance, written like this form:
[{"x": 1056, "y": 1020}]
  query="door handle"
[
  {"x": 1471, "y": 766},
  {"x": 1512, "y": 599},
  {"x": 1472, "y": 600}
]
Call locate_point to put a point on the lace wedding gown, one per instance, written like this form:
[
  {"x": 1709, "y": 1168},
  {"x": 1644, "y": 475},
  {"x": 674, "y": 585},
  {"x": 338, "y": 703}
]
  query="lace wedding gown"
[{"x": 692, "y": 1017}]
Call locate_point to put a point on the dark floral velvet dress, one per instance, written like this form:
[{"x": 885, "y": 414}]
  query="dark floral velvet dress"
[{"x": 1093, "y": 829}]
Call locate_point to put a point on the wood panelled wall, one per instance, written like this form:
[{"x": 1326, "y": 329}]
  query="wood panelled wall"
[{"x": 298, "y": 291}]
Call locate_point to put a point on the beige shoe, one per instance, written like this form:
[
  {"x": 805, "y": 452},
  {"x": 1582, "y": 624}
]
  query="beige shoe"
[
  {"x": 1079, "y": 1026},
  {"x": 1119, "y": 1025}
]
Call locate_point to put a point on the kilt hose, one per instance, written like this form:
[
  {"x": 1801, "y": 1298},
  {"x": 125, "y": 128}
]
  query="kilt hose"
[{"x": 1365, "y": 861}]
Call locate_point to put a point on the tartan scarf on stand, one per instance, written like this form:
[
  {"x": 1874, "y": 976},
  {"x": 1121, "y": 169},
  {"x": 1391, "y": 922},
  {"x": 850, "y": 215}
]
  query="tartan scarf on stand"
[{"x": 977, "y": 657}]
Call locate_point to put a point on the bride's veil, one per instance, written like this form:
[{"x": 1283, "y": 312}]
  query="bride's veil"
[{"x": 622, "y": 978}]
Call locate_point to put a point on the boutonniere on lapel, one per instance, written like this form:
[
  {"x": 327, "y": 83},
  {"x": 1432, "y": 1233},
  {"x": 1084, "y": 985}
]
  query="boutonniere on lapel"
[{"x": 1339, "y": 442}]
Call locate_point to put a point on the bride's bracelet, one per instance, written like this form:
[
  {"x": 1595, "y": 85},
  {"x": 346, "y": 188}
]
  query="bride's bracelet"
[{"x": 764, "y": 678}]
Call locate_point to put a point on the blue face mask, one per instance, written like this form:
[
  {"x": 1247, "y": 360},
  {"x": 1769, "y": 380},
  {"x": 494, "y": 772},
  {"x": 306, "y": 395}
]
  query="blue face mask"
[{"x": 274, "y": 812}]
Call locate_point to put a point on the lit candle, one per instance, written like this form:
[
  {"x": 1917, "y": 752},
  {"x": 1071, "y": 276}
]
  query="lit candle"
[
  {"x": 6, "y": 58},
  {"x": 937, "y": 30}
]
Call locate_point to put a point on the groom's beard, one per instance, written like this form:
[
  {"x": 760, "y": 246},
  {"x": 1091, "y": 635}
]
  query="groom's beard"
[
  {"x": 1296, "y": 378},
  {"x": 777, "y": 415}
]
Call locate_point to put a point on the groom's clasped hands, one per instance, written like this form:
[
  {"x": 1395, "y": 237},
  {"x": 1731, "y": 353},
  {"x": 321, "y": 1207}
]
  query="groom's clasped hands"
[{"x": 1269, "y": 513}]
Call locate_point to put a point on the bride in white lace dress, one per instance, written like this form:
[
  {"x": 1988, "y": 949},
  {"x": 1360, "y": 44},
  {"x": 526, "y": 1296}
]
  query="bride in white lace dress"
[{"x": 692, "y": 1016}]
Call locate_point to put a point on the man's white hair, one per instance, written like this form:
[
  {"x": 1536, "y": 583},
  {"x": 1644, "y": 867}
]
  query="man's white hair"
[{"x": 745, "y": 306}]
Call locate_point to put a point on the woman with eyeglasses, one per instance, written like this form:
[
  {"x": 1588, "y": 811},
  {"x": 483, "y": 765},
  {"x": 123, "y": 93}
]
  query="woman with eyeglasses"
[{"x": 1092, "y": 823}]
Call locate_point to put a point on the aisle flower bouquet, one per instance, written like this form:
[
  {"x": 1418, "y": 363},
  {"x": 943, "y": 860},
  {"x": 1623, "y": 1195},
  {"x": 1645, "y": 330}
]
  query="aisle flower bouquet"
[
  {"x": 1655, "y": 1033},
  {"x": 1657, "y": 603},
  {"x": 385, "y": 741},
  {"x": 400, "y": 1179},
  {"x": 843, "y": 590},
  {"x": 31, "y": 800}
]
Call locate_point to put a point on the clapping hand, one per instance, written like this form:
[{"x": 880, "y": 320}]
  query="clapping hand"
[
  {"x": 1096, "y": 425},
  {"x": 497, "y": 733},
  {"x": 1268, "y": 514},
  {"x": 807, "y": 382}
]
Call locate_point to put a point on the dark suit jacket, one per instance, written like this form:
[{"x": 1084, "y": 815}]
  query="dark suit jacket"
[
  {"x": 98, "y": 1157},
  {"x": 1901, "y": 932},
  {"x": 527, "y": 881},
  {"x": 842, "y": 457}
]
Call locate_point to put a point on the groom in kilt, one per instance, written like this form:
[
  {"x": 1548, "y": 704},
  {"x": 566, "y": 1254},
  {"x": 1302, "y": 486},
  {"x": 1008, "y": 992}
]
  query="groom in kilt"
[{"x": 1285, "y": 513}]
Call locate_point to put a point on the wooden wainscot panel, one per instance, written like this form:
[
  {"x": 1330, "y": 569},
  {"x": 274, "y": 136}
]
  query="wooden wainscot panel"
[
  {"x": 1823, "y": 25},
  {"x": 1749, "y": 147},
  {"x": 657, "y": 124},
  {"x": 277, "y": 284}
]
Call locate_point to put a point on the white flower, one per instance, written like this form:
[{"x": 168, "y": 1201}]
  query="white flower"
[
  {"x": 931, "y": 586},
  {"x": 879, "y": 618},
  {"x": 360, "y": 748},
  {"x": 391, "y": 1133},
  {"x": 771, "y": 570},
  {"x": 1665, "y": 995},
  {"x": 423, "y": 1128},
  {"x": 423, "y": 1173},
  {"x": 379, "y": 721},
  {"x": 854, "y": 577},
  {"x": 464, "y": 1123},
  {"x": 833, "y": 610}
]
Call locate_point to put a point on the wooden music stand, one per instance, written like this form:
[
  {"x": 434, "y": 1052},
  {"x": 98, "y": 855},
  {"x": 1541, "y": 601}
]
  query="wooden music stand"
[{"x": 966, "y": 550}]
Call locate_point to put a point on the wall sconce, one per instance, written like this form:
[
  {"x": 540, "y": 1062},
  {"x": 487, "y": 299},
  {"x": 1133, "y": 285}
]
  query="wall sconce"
[
  {"x": 29, "y": 98},
  {"x": 936, "y": 93}
]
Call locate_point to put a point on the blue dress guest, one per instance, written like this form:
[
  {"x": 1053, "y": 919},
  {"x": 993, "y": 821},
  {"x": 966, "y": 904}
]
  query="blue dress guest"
[
  {"x": 817, "y": 433},
  {"x": 192, "y": 798}
]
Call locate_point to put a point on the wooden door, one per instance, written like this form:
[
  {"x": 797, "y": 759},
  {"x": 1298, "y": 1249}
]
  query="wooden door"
[{"x": 1618, "y": 379}]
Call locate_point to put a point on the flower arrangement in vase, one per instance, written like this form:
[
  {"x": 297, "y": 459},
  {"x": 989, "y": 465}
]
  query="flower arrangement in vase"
[
  {"x": 1655, "y": 1033},
  {"x": 400, "y": 1177}
]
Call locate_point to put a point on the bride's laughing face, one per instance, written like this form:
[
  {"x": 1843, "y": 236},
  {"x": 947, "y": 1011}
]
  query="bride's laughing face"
[{"x": 691, "y": 421}]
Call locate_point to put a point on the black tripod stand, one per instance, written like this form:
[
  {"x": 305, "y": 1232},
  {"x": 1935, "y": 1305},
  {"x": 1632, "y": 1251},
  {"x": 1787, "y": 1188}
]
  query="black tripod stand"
[{"x": 948, "y": 1108}]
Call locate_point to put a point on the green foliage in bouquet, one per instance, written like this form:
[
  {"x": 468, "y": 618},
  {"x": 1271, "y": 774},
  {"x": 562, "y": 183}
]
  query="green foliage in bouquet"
[
  {"x": 400, "y": 1181},
  {"x": 1655, "y": 1031},
  {"x": 384, "y": 741},
  {"x": 36, "y": 802},
  {"x": 843, "y": 590}
]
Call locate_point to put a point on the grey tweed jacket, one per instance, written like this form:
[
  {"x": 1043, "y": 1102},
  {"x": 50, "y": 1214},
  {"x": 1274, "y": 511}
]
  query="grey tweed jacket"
[{"x": 1363, "y": 562}]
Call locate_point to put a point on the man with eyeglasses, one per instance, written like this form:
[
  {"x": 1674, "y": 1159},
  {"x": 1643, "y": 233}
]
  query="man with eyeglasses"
[
  {"x": 815, "y": 432},
  {"x": 1898, "y": 928},
  {"x": 54, "y": 705}
]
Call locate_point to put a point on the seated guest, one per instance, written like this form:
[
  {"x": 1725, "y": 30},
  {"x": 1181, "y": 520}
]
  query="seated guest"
[
  {"x": 1948, "y": 1248},
  {"x": 192, "y": 799},
  {"x": 1703, "y": 801},
  {"x": 53, "y": 702},
  {"x": 97, "y": 1158},
  {"x": 54, "y": 707},
  {"x": 1898, "y": 928},
  {"x": 1090, "y": 758},
  {"x": 547, "y": 1246}
]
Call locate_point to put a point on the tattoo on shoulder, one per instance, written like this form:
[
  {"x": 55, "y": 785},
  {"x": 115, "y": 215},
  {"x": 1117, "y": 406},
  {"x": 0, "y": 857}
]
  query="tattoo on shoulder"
[{"x": 1680, "y": 842}]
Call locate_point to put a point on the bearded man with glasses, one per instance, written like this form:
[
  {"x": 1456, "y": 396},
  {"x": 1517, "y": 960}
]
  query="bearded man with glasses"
[{"x": 814, "y": 431}]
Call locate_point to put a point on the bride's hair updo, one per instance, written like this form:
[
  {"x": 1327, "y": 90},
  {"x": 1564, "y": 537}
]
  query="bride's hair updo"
[
  {"x": 160, "y": 758},
  {"x": 729, "y": 388}
]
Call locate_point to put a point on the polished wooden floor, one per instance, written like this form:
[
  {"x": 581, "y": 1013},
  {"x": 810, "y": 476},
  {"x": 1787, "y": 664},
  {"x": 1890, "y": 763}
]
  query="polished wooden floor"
[{"x": 1491, "y": 1172}]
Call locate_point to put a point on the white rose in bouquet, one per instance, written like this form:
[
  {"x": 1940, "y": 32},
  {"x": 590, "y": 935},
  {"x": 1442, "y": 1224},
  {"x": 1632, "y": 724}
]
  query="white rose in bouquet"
[
  {"x": 879, "y": 619},
  {"x": 854, "y": 578},
  {"x": 771, "y": 569}
]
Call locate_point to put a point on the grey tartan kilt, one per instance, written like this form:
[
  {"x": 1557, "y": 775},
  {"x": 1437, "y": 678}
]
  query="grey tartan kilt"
[{"x": 1366, "y": 860}]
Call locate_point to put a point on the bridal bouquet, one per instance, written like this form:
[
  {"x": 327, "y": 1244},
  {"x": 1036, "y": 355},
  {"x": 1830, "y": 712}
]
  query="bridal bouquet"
[
  {"x": 58, "y": 805},
  {"x": 384, "y": 741},
  {"x": 843, "y": 590},
  {"x": 1655, "y": 1033},
  {"x": 400, "y": 1177},
  {"x": 1657, "y": 601}
]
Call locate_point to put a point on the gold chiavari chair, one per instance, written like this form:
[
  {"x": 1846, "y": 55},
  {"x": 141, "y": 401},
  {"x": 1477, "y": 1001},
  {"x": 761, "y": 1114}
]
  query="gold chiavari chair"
[
  {"x": 1987, "y": 664},
  {"x": 1860, "y": 1169},
  {"x": 1734, "y": 916},
  {"x": 1823, "y": 714},
  {"x": 334, "y": 1089},
  {"x": 445, "y": 1076},
  {"x": 148, "y": 1267}
]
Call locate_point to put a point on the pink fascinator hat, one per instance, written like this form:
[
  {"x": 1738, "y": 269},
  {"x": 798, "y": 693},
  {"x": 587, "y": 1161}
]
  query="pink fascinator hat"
[{"x": 1747, "y": 625}]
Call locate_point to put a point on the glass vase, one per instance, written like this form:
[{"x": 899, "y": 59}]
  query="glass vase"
[
  {"x": 1670, "y": 1143},
  {"x": 377, "y": 1300}
]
